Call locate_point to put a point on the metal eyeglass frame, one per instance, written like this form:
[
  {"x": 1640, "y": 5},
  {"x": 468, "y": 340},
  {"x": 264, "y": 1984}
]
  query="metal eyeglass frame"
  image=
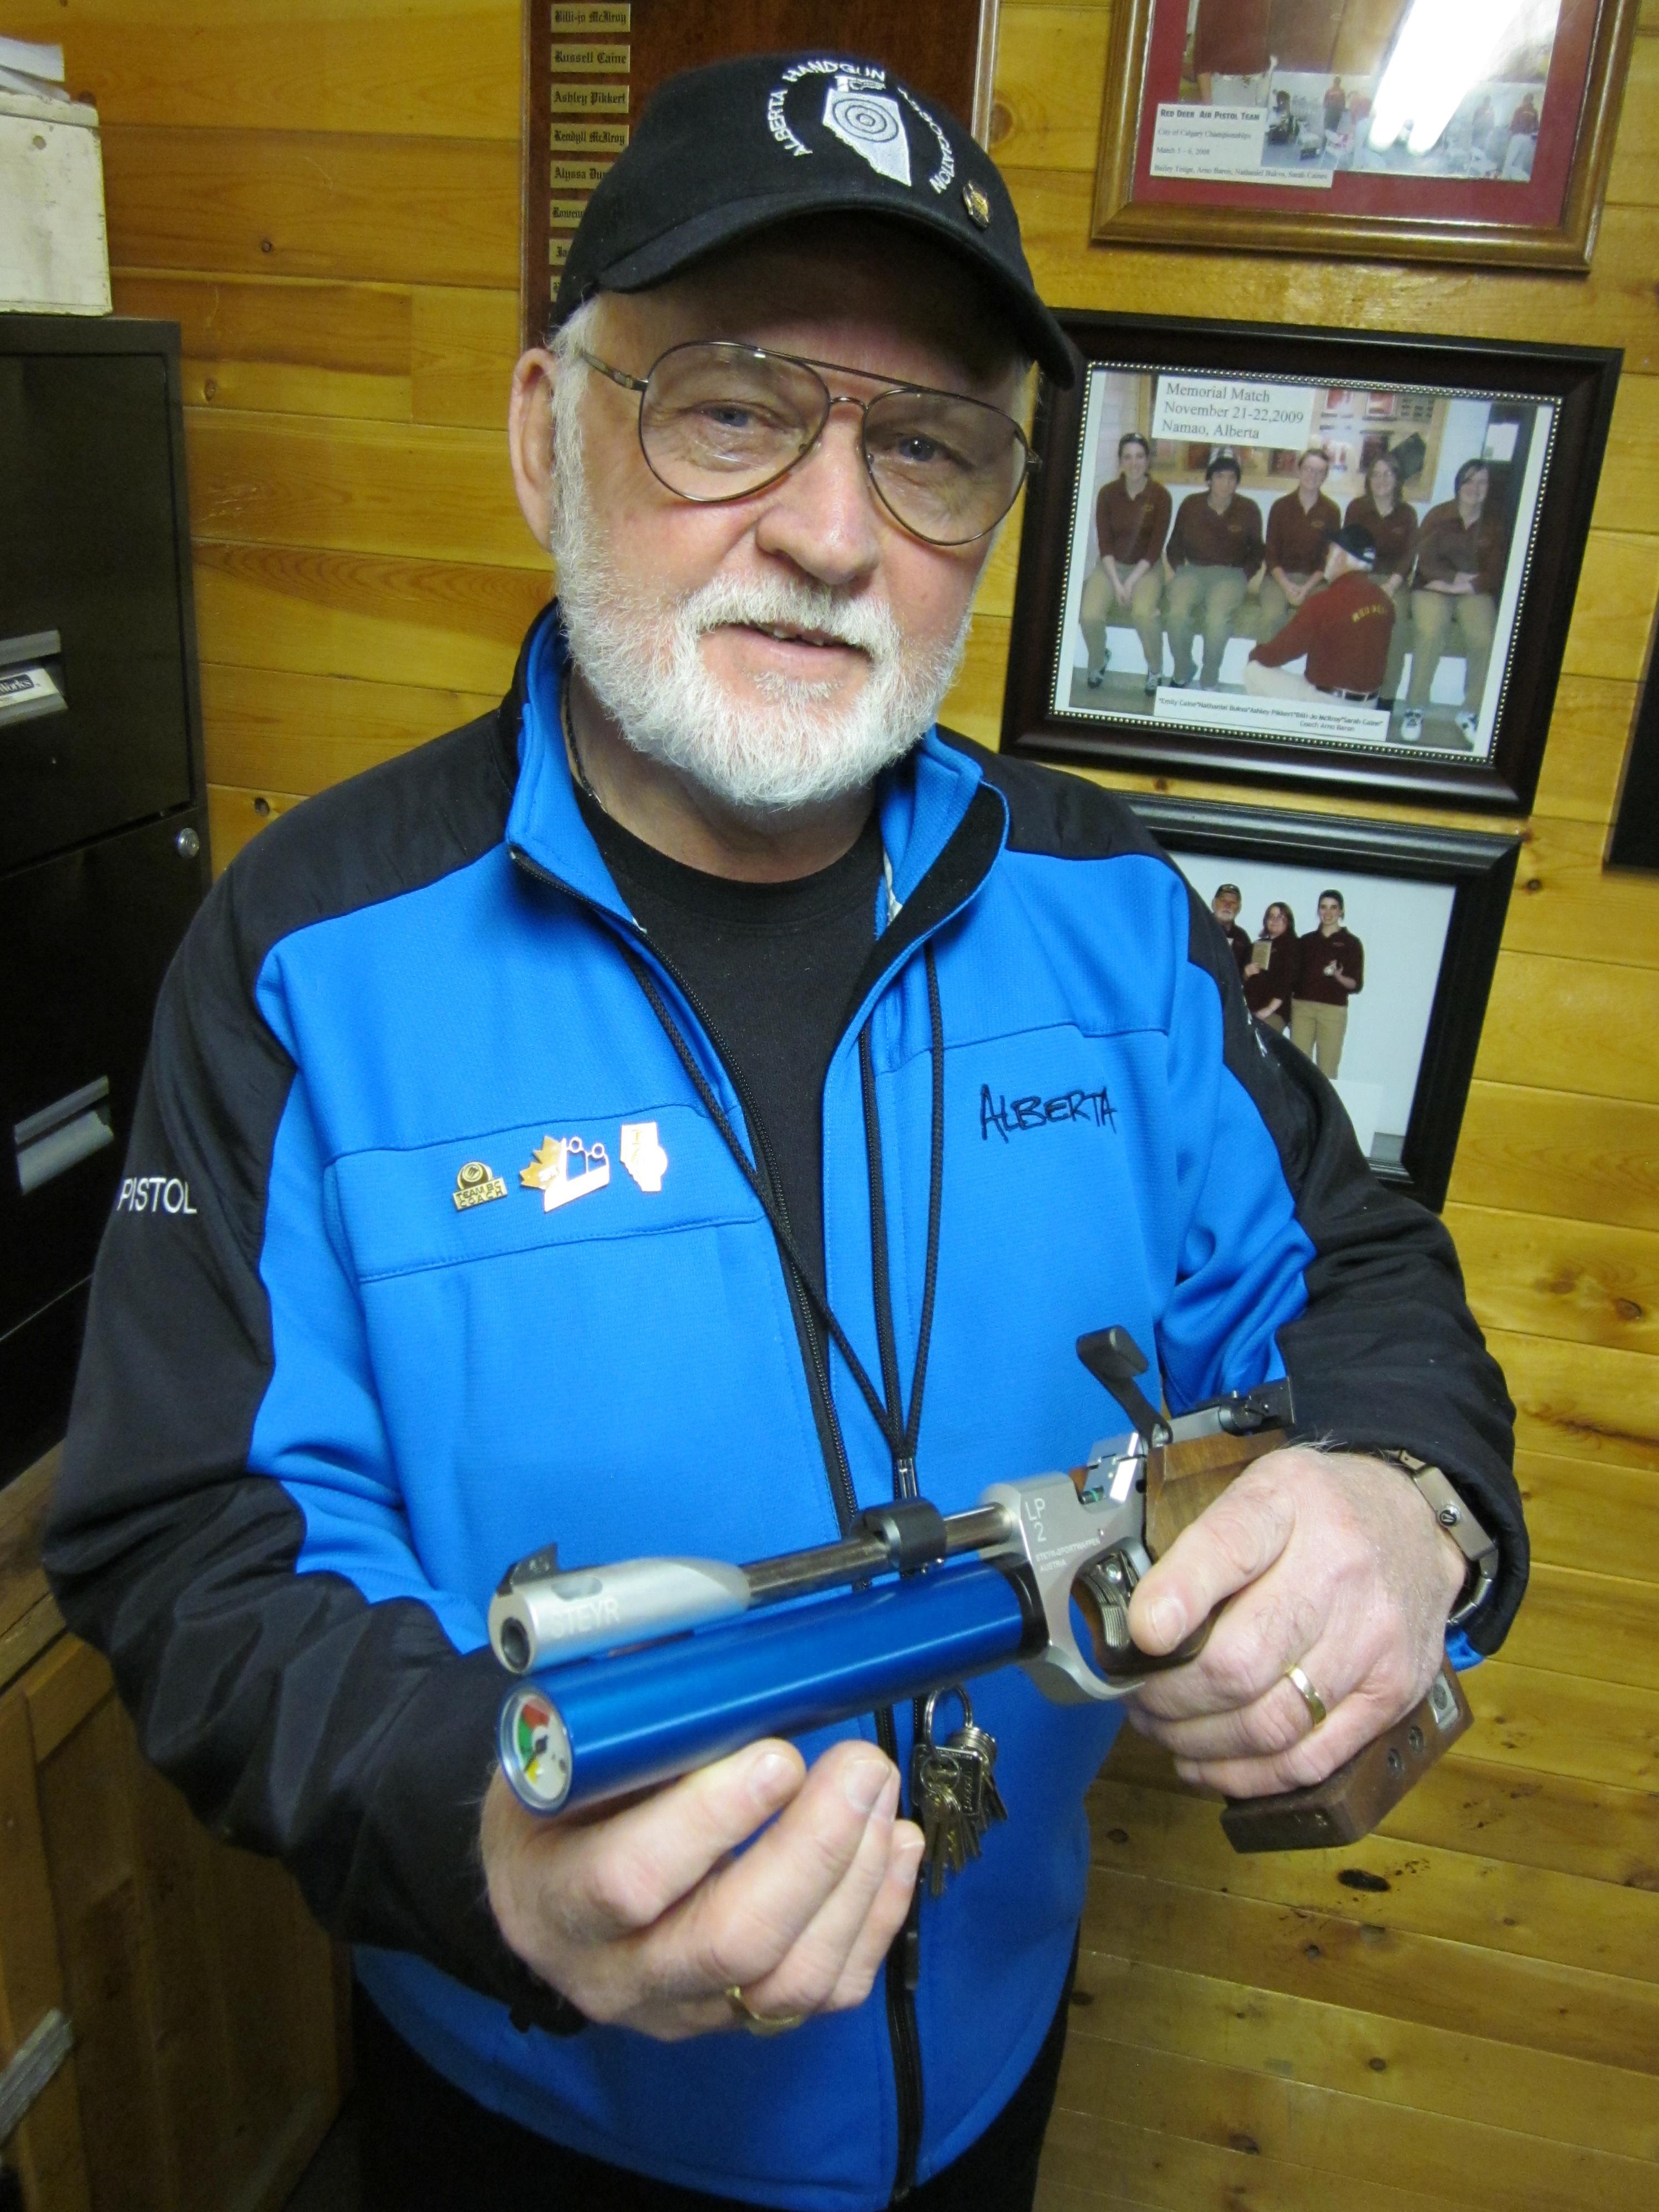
[{"x": 831, "y": 401}]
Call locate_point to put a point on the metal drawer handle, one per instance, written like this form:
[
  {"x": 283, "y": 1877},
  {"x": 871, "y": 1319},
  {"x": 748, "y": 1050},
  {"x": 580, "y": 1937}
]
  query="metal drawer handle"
[
  {"x": 39, "y": 2057},
  {"x": 71, "y": 1129},
  {"x": 27, "y": 690}
]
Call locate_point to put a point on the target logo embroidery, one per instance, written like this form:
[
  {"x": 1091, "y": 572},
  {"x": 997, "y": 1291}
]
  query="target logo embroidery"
[
  {"x": 863, "y": 118},
  {"x": 863, "y": 111}
]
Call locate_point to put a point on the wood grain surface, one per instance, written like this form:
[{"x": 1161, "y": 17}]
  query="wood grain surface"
[{"x": 325, "y": 193}]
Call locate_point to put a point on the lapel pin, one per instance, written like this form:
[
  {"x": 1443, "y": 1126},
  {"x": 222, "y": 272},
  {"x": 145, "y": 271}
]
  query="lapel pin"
[
  {"x": 642, "y": 1156},
  {"x": 476, "y": 1186},
  {"x": 551, "y": 1170}
]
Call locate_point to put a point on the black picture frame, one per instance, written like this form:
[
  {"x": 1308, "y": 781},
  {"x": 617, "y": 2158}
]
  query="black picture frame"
[
  {"x": 1479, "y": 868},
  {"x": 1634, "y": 842},
  {"x": 1559, "y": 397}
]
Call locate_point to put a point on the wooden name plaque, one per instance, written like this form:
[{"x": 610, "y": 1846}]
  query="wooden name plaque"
[{"x": 591, "y": 65}]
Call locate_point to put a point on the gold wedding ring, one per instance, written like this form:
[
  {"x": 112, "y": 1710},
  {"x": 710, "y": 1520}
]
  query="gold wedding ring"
[
  {"x": 760, "y": 2023},
  {"x": 1310, "y": 1697}
]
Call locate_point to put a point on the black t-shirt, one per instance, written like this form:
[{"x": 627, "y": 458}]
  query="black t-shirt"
[{"x": 771, "y": 966}]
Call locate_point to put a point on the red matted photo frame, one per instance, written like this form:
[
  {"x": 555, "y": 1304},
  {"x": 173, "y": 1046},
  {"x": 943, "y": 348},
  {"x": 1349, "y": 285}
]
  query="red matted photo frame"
[{"x": 1289, "y": 126}]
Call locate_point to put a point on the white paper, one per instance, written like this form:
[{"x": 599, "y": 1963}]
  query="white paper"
[
  {"x": 33, "y": 60},
  {"x": 54, "y": 251},
  {"x": 1223, "y": 145},
  {"x": 1333, "y": 722},
  {"x": 1235, "y": 410}
]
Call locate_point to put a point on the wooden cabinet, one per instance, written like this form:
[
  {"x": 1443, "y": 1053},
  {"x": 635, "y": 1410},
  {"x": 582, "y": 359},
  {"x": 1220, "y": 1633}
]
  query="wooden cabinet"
[{"x": 208, "y": 2007}]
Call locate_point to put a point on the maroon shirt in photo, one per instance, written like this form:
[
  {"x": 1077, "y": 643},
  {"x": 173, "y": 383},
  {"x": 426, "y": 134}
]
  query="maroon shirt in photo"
[
  {"x": 1280, "y": 982},
  {"x": 1314, "y": 955},
  {"x": 1238, "y": 942},
  {"x": 1132, "y": 529},
  {"x": 1448, "y": 548},
  {"x": 1344, "y": 630},
  {"x": 1298, "y": 538},
  {"x": 1209, "y": 540},
  {"x": 1395, "y": 534}
]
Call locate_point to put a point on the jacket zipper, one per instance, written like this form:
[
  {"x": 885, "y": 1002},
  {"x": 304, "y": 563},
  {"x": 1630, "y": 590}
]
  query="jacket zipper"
[{"x": 902, "y": 1971}]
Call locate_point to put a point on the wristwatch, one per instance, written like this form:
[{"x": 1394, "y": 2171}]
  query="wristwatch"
[{"x": 1456, "y": 1517}]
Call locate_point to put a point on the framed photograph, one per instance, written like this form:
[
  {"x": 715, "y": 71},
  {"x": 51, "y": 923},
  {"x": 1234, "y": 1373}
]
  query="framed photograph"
[
  {"x": 1330, "y": 558},
  {"x": 1370, "y": 945},
  {"x": 590, "y": 66},
  {"x": 1634, "y": 842},
  {"x": 1407, "y": 129}
]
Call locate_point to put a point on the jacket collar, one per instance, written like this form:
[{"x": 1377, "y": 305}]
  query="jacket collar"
[{"x": 924, "y": 801}]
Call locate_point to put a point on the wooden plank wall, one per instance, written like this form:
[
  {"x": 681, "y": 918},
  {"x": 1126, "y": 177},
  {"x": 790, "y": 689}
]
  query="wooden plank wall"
[{"x": 1466, "y": 2012}]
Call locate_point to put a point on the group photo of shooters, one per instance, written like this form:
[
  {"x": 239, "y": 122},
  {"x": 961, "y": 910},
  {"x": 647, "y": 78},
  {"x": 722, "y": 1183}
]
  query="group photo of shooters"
[
  {"x": 1346, "y": 965},
  {"x": 1327, "y": 566},
  {"x": 1364, "y": 84}
]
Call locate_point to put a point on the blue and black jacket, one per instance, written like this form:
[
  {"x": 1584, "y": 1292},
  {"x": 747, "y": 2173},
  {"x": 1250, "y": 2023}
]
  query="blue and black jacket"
[{"x": 323, "y": 1406}]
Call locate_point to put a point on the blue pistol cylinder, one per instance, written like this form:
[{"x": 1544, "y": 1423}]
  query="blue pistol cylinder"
[{"x": 578, "y": 1734}]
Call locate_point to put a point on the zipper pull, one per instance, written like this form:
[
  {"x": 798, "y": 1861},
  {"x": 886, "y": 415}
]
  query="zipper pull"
[{"x": 910, "y": 1957}]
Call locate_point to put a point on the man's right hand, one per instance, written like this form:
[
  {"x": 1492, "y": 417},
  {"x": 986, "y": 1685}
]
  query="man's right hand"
[{"x": 643, "y": 1918}]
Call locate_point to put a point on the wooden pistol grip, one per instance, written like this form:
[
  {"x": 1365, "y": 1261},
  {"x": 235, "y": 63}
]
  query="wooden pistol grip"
[
  {"x": 1181, "y": 1481},
  {"x": 1349, "y": 1803}
]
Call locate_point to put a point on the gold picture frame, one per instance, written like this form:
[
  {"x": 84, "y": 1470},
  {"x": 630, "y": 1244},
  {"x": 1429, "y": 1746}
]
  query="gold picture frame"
[{"x": 1551, "y": 223}]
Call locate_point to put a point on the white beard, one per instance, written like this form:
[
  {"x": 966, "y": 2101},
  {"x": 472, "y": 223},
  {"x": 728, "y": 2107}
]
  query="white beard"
[{"x": 778, "y": 745}]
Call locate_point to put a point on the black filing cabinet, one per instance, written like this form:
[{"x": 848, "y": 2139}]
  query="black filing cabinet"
[{"x": 103, "y": 823}]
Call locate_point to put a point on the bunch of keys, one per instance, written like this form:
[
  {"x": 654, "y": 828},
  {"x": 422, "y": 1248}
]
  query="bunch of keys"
[{"x": 953, "y": 1791}]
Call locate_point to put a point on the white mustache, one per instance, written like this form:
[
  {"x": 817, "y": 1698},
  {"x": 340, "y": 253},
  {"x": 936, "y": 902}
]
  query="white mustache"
[{"x": 866, "y": 625}]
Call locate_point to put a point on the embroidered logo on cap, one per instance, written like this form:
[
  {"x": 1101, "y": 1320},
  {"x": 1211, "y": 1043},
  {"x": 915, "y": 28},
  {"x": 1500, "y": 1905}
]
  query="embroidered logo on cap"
[
  {"x": 865, "y": 110},
  {"x": 861, "y": 117}
]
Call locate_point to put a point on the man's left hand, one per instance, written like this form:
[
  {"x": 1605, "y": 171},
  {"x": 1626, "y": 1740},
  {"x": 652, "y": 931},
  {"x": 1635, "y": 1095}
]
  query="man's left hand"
[{"x": 1326, "y": 1560}]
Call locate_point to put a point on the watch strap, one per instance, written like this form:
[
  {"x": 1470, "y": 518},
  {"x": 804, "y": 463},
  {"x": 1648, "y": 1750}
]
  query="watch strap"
[{"x": 1456, "y": 1517}]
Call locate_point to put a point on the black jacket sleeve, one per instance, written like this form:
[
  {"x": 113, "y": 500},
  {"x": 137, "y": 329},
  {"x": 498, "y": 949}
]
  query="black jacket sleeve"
[{"x": 353, "y": 1741}]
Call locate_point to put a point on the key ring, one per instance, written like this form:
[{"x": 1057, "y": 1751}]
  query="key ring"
[{"x": 952, "y": 1690}]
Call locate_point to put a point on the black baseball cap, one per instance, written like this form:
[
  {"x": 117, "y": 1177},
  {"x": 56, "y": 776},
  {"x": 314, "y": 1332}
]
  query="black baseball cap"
[
  {"x": 731, "y": 149},
  {"x": 1357, "y": 543}
]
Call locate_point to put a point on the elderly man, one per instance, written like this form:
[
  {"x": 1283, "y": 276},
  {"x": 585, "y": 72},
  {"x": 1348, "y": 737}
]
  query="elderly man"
[
  {"x": 1225, "y": 907},
  {"x": 546, "y": 1095},
  {"x": 1214, "y": 551},
  {"x": 1341, "y": 634},
  {"x": 1300, "y": 526}
]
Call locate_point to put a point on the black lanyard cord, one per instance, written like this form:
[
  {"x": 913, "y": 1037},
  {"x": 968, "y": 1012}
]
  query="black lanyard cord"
[
  {"x": 900, "y": 1433},
  {"x": 908, "y": 1426}
]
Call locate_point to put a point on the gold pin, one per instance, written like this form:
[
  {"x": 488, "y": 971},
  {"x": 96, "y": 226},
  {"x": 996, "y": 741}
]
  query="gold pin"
[
  {"x": 642, "y": 1156},
  {"x": 549, "y": 1170},
  {"x": 476, "y": 1186},
  {"x": 978, "y": 207}
]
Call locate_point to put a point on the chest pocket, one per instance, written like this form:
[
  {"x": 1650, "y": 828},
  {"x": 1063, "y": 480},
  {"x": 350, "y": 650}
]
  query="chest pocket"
[
  {"x": 578, "y": 1370},
  {"x": 542, "y": 1185}
]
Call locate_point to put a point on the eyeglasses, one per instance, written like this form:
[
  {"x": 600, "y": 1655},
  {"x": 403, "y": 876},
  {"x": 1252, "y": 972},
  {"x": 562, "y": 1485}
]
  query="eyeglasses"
[{"x": 720, "y": 421}]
